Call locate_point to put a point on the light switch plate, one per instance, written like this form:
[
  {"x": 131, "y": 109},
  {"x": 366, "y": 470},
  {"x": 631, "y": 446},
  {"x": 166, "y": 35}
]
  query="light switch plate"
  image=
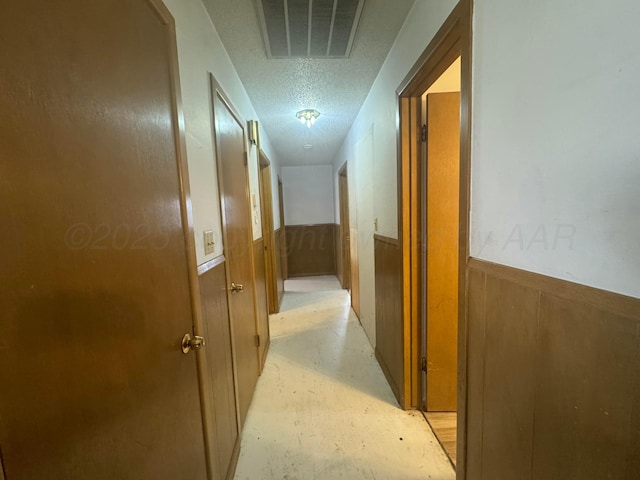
[{"x": 208, "y": 242}]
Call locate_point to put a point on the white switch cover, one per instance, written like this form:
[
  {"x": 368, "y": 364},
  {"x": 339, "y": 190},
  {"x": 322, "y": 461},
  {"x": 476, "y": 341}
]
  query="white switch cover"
[{"x": 208, "y": 242}]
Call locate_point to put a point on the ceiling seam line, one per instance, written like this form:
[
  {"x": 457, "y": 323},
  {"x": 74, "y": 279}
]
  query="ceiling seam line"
[
  {"x": 354, "y": 27},
  {"x": 286, "y": 26},
  {"x": 310, "y": 28},
  {"x": 333, "y": 21},
  {"x": 265, "y": 33}
]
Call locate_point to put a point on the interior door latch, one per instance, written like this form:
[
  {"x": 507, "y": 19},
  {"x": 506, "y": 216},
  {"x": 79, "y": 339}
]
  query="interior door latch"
[{"x": 190, "y": 342}]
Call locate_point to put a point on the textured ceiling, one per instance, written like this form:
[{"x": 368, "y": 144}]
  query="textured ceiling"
[{"x": 278, "y": 88}]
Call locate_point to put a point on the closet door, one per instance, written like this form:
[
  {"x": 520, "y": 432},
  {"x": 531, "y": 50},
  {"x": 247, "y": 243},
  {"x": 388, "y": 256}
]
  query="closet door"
[
  {"x": 95, "y": 295},
  {"x": 442, "y": 244}
]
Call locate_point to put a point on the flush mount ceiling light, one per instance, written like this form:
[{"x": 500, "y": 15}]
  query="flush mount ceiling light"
[{"x": 308, "y": 117}]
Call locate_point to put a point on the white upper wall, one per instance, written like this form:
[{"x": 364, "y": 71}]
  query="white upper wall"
[
  {"x": 556, "y": 139},
  {"x": 380, "y": 109},
  {"x": 200, "y": 52},
  {"x": 371, "y": 153},
  {"x": 308, "y": 194}
]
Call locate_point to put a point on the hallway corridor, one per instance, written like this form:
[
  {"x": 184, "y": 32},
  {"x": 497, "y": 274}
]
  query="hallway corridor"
[{"x": 322, "y": 408}]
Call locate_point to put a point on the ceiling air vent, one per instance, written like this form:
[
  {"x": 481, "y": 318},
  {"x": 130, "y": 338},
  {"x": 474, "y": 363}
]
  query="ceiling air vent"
[{"x": 309, "y": 28}]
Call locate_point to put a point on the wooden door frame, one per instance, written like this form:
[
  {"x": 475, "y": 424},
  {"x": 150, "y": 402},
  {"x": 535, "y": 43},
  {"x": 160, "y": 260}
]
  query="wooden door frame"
[
  {"x": 283, "y": 233},
  {"x": 266, "y": 211},
  {"x": 2, "y": 475},
  {"x": 453, "y": 40},
  {"x": 186, "y": 212},
  {"x": 216, "y": 89},
  {"x": 345, "y": 234}
]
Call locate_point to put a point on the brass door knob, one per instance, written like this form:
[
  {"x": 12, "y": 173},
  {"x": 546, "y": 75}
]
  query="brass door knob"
[
  {"x": 192, "y": 342},
  {"x": 236, "y": 288}
]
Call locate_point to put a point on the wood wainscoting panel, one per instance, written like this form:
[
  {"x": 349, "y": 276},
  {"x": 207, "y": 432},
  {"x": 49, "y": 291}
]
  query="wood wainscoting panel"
[
  {"x": 279, "y": 259},
  {"x": 389, "y": 322},
  {"x": 311, "y": 250},
  {"x": 262, "y": 305},
  {"x": 219, "y": 357},
  {"x": 339, "y": 257},
  {"x": 587, "y": 376},
  {"x": 355, "y": 271},
  {"x": 511, "y": 320},
  {"x": 476, "y": 304},
  {"x": 553, "y": 378}
]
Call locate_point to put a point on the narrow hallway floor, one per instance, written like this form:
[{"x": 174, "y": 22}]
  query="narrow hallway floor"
[{"x": 322, "y": 408}]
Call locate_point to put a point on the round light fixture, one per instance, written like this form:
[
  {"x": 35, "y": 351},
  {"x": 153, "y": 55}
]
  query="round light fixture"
[{"x": 308, "y": 117}]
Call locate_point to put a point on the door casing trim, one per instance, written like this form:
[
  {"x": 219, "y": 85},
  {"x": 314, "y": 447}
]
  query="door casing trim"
[{"x": 453, "y": 39}]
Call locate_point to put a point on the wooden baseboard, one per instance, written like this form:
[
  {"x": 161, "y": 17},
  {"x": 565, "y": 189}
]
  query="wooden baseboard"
[
  {"x": 266, "y": 352},
  {"x": 234, "y": 458}
]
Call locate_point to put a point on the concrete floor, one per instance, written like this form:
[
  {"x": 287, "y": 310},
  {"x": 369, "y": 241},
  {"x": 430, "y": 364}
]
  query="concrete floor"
[{"x": 323, "y": 409}]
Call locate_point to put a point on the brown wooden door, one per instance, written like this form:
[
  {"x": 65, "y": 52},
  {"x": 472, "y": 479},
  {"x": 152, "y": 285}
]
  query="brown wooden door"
[
  {"x": 220, "y": 390},
  {"x": 442, "y": 211},
  {"x": 345, "y": 238},
  {"x": 238, "y": 246},
  {"x": 95, "y": 291},
  {"x": 266, "y": 204},
  {"x": 355, "y": 271},
  {"x": 283, "y": 233}
]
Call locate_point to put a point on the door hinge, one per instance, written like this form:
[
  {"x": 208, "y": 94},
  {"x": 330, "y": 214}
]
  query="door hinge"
[
  {"x": 257, "y": 340},
  {"x": 423, "y": 133},
  {"x": 246, "y": 159},
  {"x": 423, "y": 364}
]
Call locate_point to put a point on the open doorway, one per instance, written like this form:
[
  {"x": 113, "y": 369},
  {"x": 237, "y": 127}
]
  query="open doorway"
[
  {"x": 272, "y": 269},
  {"x": 283, "y": 237},
  {"x": 440, "y": 206},
  {"x": 433, "y": 175},
  {"x": 344, "y": 234}
]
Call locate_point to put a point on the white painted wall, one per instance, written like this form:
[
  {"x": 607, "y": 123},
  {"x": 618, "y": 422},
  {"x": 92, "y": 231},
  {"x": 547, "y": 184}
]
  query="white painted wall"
[
  {"x": 556, "y": 139},
  {"x": 200, "y": 52},
  {"x": 364, "y": 166},
  {"x": 308, "y": 194},
  {"x": 380, "y": 110}
]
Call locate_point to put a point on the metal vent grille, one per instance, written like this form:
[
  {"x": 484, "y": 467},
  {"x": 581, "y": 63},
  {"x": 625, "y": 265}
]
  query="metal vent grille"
[{"x": 309, "y": 28}]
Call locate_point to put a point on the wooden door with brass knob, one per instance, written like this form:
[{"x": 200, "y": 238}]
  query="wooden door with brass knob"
[
  {"x": 95, "y": 295},
  {"x": 238, "y": 244}
]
